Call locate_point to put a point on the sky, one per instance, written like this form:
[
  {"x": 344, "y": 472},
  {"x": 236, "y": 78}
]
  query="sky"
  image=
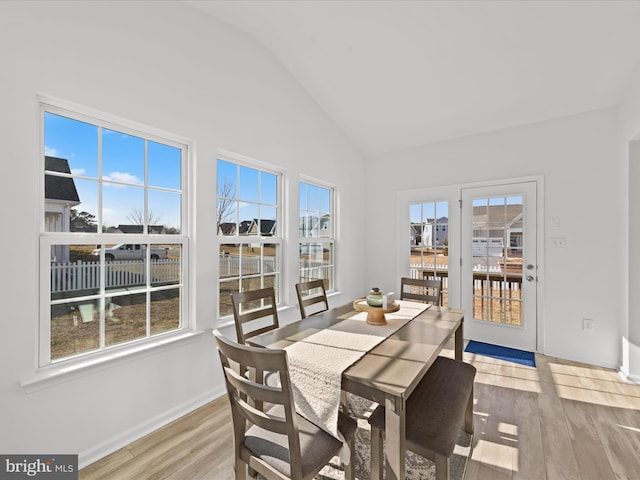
[
  {"x": 108, "y": 166},
  {"x": 123, "y": 171},
  {"x": 253, "y": 193},
  {"x": 421, "y": 212}
]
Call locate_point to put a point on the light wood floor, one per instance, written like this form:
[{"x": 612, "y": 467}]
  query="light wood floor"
[{"x": 562, "y": 420}]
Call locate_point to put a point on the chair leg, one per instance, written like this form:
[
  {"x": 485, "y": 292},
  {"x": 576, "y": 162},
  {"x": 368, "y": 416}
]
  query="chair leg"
[
  {"x": 350, "y": 470},
  {"x": 376, "y": 454},
  {"x": 344, "y": 401},
  {"x": 468, "y": 416},
  {"x": 240, "y": 469},
  {"x": 443, "y": 467}
]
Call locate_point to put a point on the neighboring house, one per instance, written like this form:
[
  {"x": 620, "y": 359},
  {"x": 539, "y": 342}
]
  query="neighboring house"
[
  {"x": 78, "y": 225},
  {"x": 267, "y": 228},
  {"x": 158, "y": 229},
  {"x": 499, "y": 222},
  {"x": 314, "y": 226},
  {"x": 441, "y": 234},
  {"x": 248, "y": 227},
  {"x": 514, "y": 234},
  {"x": 245, "y": 227},
  {"x": 433, "y": 233},
  {"x": 60, "y": 197},
  {"x": 416, "y": 234}
]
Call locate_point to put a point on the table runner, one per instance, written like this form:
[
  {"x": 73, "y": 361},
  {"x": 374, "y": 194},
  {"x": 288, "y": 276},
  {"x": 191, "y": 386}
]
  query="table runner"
[{"x": 316, "y": 363}]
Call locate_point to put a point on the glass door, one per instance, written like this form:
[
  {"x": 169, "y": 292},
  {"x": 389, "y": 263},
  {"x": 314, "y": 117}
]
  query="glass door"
[
  {"x": 429, "y": 237},
  {"x": 499, "y": 264}
]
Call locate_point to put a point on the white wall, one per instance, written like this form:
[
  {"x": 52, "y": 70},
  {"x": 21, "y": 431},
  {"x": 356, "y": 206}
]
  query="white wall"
[
  {"x": 168, "y": 66},
  {"x": 630, "y": 153},
  {"x": 584, "y": 181}
]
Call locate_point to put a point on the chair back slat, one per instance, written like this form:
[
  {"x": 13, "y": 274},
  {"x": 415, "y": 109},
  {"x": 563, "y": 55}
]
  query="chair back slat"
[
  {"x": 252, "y": 320},
  {"x": 257, "y": 417},
  {"x": 311, "y": 293},
  {"x": 423, "y": 290},
  {"x": 254, "y": 390}
]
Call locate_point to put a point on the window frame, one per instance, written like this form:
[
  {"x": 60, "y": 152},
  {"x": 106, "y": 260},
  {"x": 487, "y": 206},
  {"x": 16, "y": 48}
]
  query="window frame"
[
  {"x": 278, "y": 237},
  {"x": 328, "y": 240},
  {"x": 46, "y": 239}
]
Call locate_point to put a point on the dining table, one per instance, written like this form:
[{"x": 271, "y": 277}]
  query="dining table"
[{"x": 390, "y": 371}]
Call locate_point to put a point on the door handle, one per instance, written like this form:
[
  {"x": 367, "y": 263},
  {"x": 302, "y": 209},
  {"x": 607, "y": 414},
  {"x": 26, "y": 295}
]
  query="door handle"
[{"x": 530, "y": 278}]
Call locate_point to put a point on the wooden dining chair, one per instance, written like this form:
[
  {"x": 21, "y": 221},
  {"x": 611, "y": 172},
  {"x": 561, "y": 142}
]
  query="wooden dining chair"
[
  {"x": 423, "y": 290},
  {"x": 277, "y": 443},
  {"x": 440, "y": 404},
  {"x": 254, "y": 312},
  {"x": 310, "y": 295}
]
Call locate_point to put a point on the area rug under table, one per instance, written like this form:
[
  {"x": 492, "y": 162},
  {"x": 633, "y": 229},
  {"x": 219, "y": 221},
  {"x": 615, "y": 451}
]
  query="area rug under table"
[
  {"x": 417, "y": 467},
  {"x": 501, "y": 353}
]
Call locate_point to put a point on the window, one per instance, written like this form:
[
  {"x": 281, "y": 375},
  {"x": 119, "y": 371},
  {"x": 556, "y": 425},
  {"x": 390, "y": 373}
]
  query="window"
[
  {"x": 429, "y": 239},
  {"x": 113, "y": 242},
  {"x": 248, "y": 223},
  {"x": 316, "y": 234}
]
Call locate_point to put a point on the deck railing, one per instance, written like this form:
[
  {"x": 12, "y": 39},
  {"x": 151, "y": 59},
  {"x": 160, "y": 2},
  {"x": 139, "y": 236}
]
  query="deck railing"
[{"x": 487, "y": 282}]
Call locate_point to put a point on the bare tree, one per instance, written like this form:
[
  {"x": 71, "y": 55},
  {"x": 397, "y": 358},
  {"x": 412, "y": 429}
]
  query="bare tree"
[
  {"x": 136, "y": 217},
  {"x": 224, "y": 212}
]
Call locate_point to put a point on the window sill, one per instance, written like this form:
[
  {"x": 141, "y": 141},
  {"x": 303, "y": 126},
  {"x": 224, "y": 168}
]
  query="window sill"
[{"x": 66, "y": 371}]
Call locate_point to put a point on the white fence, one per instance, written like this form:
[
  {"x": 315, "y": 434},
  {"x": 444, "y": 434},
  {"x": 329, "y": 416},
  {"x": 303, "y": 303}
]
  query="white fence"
[
  {"x": 314, "y": 270},
  {"x": 74, "y": 276},
  {"x": 233, "y": 266},
  {"x": 417, "y": 271}
]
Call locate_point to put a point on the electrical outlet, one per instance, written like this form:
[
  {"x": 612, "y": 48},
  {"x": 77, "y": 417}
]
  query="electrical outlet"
[
  {"x": 588, "y": 324},
  {"x": 559, "y": 242}
]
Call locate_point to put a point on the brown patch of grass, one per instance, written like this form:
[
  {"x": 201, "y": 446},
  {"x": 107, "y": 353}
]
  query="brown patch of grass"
[{"x": 72, "y": 333}]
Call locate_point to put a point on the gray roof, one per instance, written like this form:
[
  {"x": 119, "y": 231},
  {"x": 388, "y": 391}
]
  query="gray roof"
[
  {"x": 267, "y": 227},
  {"x": 227, "y": 228},
  {"x": 59, "y": 188},
  {"x": 138, "y": 228}
]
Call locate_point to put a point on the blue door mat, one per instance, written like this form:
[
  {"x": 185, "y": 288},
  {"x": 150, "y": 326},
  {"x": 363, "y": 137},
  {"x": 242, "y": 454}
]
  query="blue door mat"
[{"x": 501, "y": 353}]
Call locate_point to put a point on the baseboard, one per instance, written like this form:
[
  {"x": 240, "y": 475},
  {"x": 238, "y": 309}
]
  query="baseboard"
[
  {"x": 624, "y": 374},
  {"x": 589, "y": 361},
  {"x": 125, "y": 438}
]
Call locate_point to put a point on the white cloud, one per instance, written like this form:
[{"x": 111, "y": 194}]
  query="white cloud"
[
  {"x": 122, "y": 177},
  {"x": 50, "y": 152},
  {"x": 78, "y": 171}
]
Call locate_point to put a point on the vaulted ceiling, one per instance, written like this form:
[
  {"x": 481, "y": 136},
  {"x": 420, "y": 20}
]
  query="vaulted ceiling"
[{"x": 398, "y": 74}]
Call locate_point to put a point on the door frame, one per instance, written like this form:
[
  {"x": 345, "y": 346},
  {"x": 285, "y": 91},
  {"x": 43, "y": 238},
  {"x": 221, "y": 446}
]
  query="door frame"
[{"x": 453, "y": 193}]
